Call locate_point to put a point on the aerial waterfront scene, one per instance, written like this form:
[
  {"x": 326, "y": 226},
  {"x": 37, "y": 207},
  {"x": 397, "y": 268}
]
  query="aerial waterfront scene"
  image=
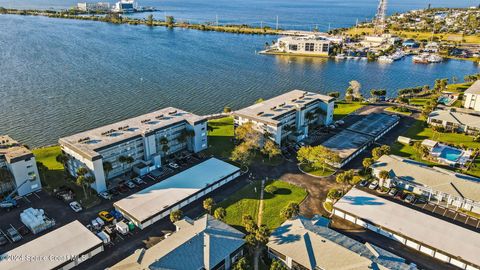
[{"x": 240, "y": 134}]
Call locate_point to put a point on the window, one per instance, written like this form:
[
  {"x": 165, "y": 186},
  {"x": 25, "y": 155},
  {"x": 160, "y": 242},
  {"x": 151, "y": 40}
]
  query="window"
[
  {"x": 293, "y": 47},
  {"x": 309, "y": 47},
  {"x": 325, "y": 47}
]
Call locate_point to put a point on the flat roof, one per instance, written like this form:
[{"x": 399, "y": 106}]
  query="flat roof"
[
  {"x": 458, "y": 118},
  {"x": 474, "y": 88},
  {"x": 374, "y": 124},
  {"x": 88, "y": 142},
  {"x": 12, "y": 149},
  {"x": 314, "y": 245},
  {"x": 156, "y": 198},
  {"x": 269, "y": 110},
  {"x": 346, "y": 143},
  {"x": 434, "y": 232},
  {"x": 436, "y": 178},
  {"x": 52, "y": 249}
]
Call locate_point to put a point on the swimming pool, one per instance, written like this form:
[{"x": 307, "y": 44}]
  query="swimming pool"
[
  {"x": 450, "y": 154},
  {"x": 444, "y": 100}
]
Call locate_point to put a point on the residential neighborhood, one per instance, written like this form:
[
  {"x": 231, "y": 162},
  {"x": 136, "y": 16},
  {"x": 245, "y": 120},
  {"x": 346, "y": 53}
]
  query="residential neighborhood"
[{"x": 205, "y": 136}]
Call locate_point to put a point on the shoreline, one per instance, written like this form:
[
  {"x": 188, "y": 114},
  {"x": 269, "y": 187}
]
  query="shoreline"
[{"x": 116, "y": 19}]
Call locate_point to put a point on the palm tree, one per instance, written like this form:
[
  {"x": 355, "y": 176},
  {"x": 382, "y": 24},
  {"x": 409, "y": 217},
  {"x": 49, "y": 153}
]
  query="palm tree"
[
  {"x": 208, "y": 204},
  {"x": 107, "y": 168},
  {"x": 367, "y": 162},
  {"x": 63, "y": 159},
  {"x": 81, "y": 180},
  {"x": 89, "y": 180},
  {"x": 82, "y": 171},
  {"x": 220, "y": 214},
  {"x": 383, "y": 175},
  {"x": 176, "y": 215}
]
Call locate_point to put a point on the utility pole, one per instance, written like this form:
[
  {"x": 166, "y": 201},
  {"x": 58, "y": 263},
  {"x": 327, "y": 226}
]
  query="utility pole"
[{"x": 277, "y": 24}]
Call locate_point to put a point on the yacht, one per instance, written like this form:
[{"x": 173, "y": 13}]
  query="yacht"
[
  {"x": 421, "y": 58},
  {"x": 385, "y": 59},
  {"x": 434, "y": 58},
  {"x": 340, "y": 56},
  {"x": 397, "y": 55}
]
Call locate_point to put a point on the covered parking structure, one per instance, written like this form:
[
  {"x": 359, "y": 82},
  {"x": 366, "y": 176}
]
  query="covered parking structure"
[
  {"x": 375, "y": 124},
  {"x": 63, "y": 248},
  {"x": 440, "y": 239},
  {"x": 351, "y": 141},
  {"x": 157, "y": 201},
  {"x": 347, "y": 144}
]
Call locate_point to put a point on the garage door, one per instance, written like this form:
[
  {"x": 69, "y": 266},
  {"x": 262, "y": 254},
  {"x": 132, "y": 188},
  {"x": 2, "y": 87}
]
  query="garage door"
[
  {"x": 441, "y": 256},
  {"x": 412, "y": 244},
  {"x": 426, "y": 250}
]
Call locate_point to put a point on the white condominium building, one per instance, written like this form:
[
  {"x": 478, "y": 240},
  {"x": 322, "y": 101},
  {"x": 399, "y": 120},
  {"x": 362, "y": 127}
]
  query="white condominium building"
[
  {"x": 312, "y": 44},
  {"x": 472, "y": 97},
  {"x": 18, "y": 163},
  {"x": 288, "y": 116},
  {"x": 142, "y": 142}
]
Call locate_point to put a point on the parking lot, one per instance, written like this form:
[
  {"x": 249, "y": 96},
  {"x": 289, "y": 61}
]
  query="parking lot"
[{"x": 60, "y": 211}]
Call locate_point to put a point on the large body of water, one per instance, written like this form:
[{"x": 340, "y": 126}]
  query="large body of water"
[
  {"x": 296, "y": 14},
  {"x": 59, "y": 77}
]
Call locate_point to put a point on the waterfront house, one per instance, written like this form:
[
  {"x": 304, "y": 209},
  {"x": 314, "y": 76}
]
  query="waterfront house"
[
  {"x": 452, "y": 120},
  {"x": 303, "y": 243},
  {"x": 288, "y": 116},
  {"x": 206, "y": 243},
  {"x": 434, "y": 183},
  {"x": 145, "y": 139},
  {"x": 472, "y": 97},
  {"x": 93, "y": 7},
  {"x": 125, "y": 6},
  {"x": 18, "y": 167}
]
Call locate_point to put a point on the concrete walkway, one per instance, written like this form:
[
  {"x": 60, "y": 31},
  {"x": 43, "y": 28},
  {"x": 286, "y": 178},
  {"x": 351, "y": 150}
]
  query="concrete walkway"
[{"x": 260, "y": 205}]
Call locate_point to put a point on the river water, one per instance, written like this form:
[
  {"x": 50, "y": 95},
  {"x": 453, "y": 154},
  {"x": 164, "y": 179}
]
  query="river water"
[{"x": 59, "y": 77}]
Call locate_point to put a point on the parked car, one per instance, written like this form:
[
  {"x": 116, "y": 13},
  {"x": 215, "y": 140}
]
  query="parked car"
[
  {"x": 64, "y": 195},
  {"x": 75, "y": 206},
  {"x": 105, "y": 195},
  {"x": 138, "y": 181},
  {"x": 13, "y": 235},
  {"x": 173, "y": 165},
  {"x": 392, "y": 192},
  {"x": 3, "y": 240},
  {"x": 131, "y": 185},
  {"x": 122, "y": 189},
  {"x": 116, "y": 215},
  {"x": 105, "y": 216},
  {"x": 399, "y": 195},
  {"x": 363, "y": 183},
  {"x": 23, "y": 231},
  {"x": 410, "y": 198},
  {"x": 373, "y": 184}
]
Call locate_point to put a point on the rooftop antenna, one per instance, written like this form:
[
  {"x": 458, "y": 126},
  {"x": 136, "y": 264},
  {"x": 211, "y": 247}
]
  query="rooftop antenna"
[{"x": 379, "y": 21}]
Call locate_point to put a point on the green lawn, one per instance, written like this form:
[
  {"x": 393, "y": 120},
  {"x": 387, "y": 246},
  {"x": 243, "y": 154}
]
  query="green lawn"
[
  {"x": 317, "y": 172},
  {"x": 273, "y": 204},
  {"x": 458, "y": 87},
  {"x": 47, "y": 155},
  {"x": 55, "y": 176},
  {"x": 246, "y": 201},
  {"x": 343, "y": 109},
  {"x": 392, "y": 110},
  {"x": 220, "y": 138},
  {"x": 418, "y": 101}
]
